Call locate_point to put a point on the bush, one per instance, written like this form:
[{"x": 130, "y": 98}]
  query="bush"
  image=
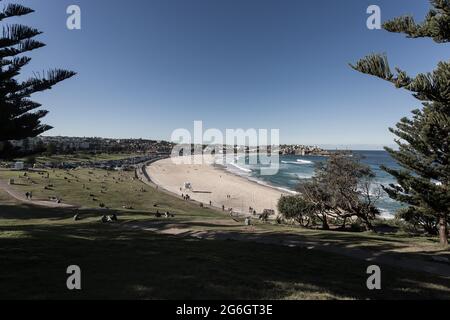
[
  {"x": 357, "y": 226},
  {"x": 342, "y": 188},
  {"x": 418, "y": 220},
  {"x": 296, "y": 208}
]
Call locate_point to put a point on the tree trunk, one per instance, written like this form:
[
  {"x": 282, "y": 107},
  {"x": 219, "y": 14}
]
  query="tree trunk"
[
  {"x": 2, "y": 147},
  {"x": 443, "y": 230},
  {"x": 369, "y": 226},
  {"x": 344, "y": 223},
  {"x": 325, "y": 225}
]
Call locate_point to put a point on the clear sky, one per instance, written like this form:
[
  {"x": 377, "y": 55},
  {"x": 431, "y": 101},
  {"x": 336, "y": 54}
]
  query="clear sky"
[{"x": 147, "y": 67}]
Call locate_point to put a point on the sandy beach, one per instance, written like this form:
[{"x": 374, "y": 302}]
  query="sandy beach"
[{"x": 212, "y": 183}]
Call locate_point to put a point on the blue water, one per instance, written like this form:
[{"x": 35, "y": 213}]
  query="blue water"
[{"x": 294, "y": 168}]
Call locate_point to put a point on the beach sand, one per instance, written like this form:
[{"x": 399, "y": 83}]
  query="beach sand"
[{"x": 212, "y": 183}]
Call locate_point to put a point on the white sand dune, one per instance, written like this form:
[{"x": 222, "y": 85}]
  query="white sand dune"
[{"x": 210, "y": 183}]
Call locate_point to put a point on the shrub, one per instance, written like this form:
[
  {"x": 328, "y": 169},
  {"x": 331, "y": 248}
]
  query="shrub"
[{"x": 296, "y": 208}]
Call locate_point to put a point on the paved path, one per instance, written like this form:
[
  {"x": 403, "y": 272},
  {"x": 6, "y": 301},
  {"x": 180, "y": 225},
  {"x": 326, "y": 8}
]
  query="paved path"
[{"x": 22, "y": 198}]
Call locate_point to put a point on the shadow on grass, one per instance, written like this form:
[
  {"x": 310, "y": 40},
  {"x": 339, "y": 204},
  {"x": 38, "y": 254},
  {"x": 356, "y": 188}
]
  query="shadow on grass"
[
  {"x": 131, "y": 264},
  {"x": 370, "y": 248},
  {"x": 30, "y": 212},
  {"x": 119, "y": 262}
]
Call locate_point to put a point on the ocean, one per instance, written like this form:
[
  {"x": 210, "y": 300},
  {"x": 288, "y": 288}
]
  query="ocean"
[{"x": 293, "y": 168}]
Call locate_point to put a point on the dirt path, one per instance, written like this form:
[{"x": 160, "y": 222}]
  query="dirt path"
[{"x": 22, "y": 198}]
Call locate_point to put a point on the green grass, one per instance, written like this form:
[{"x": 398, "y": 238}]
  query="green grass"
[
  {"x": 89, "y": 188},
  {"x": 118, "y": 263},
  {"x": 82, "y": 157},
  {"x": 37, "y": 245}
]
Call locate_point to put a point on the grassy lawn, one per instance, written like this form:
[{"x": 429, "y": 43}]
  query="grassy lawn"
[
  {"x": 37, "y": 245},
  {"x": 120, "y": 263},
  {"x": 83, "y": 157},
  {"x": 90, "y": 188}
]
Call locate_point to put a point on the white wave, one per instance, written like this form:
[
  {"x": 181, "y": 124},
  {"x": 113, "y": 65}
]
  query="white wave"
[
  {"x": 239, "y": 167},
  {"x": 285, "y": 190},
  {"x": 304, "y": 176},
  {"x": 298, "y": 162},
  {"x": 296, "y": 175},
  {"x": 304, "y": 161}
]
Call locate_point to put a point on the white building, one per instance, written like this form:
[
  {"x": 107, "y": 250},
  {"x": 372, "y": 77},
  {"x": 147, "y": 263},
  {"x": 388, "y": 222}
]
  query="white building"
[{"x": 19, "y": 165}]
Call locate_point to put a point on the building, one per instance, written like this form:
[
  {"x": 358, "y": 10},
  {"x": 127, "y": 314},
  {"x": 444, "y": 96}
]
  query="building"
[{"x": 19, "y": 165}]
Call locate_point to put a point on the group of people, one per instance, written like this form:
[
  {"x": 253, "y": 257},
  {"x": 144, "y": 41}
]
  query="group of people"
[
  {"x": 167, "y": 214},
  {"x": 108, "y": 219},
  {"x": 230, "y": 209},
  {"x": 55, "y": 199},
  {"x": 29, "y": 195},
  {"x": 185, "y": 197}
]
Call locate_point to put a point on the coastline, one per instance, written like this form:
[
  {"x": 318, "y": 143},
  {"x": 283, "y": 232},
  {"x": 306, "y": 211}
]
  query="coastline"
[
  {"x": 213, "y": 182},
  {"x": 262, "y": 183},
  {"x": 246, "y": 191}
]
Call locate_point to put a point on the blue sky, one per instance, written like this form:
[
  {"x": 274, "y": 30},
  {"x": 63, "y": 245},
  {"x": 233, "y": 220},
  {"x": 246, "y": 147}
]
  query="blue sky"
[{"x": 148, "y": 67}]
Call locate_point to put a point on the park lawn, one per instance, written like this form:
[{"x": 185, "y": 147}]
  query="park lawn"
[
  {"x": 89, "y": 188},
  {"x": 395, "y": 242},
  {"x": 119, "y": 263},
  {"x": 82, "y": 157},
  {"x": 114, "y": 189},
  {"x": 37, "y": 245}
]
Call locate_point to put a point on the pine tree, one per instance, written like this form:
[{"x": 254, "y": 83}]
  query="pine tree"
[
  {"x": 423, "y": 139},
  {"x": 17, "y": 118}
]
